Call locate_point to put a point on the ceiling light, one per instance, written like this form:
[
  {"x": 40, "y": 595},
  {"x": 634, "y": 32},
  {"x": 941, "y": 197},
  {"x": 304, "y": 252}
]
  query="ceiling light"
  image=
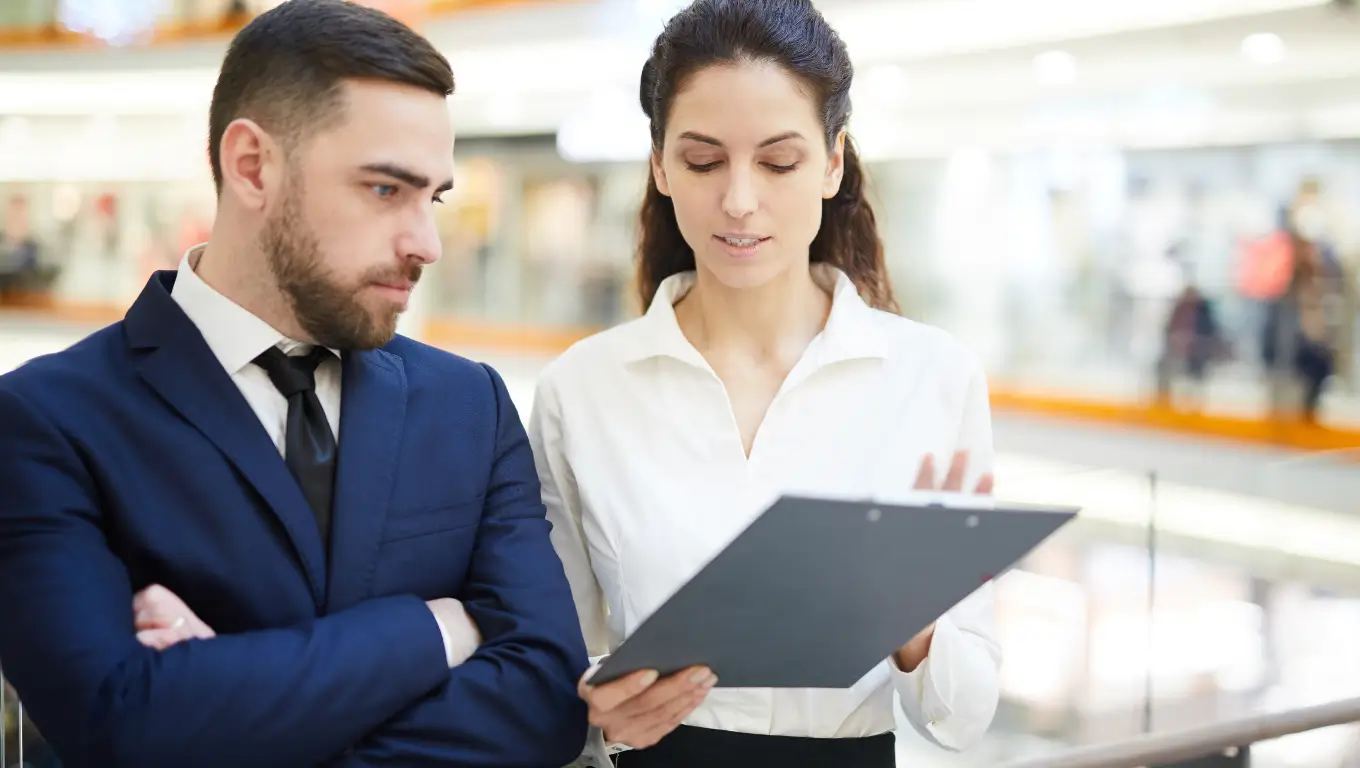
[
  {"x": 1055, "y": 68},
  {"x": 1263, "y": 48}
]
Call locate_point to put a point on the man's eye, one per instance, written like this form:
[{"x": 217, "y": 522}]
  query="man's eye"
[{"x": 385, "y": 190}]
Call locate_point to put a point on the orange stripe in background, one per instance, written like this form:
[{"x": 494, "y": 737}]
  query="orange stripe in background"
[
  {"x": 514, "y": 339},
  {"x": 537, "y": 341},
  {"x": 1290, "y": 434}
]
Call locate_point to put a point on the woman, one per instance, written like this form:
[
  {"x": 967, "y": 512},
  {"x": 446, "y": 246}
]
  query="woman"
[{"x": 769, "y": 362}]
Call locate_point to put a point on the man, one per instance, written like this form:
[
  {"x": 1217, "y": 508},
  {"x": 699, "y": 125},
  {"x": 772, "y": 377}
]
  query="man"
[{"x": 250, "y": 526}]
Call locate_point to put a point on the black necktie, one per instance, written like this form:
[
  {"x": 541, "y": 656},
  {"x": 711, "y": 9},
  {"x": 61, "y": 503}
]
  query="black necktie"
[{"x": 309, "y": 443}]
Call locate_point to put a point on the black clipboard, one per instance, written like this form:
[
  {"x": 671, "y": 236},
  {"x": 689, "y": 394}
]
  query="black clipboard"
[{"x": 816, "y": 592}]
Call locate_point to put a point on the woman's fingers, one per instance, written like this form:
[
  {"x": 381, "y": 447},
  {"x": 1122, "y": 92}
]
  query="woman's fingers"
[
  {"x": 986, "y": 484},
  {"x": 925, "y": 476},
  {"x": 954, "y": 480}
]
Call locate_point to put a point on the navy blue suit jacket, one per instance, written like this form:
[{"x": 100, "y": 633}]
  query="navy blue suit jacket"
[{"x": 132, "y": 459}]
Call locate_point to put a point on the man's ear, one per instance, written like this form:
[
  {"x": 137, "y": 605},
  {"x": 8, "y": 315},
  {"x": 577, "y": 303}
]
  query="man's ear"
[
  {"x": 251, "y": 162},
  {"x": 835, "y": 168},
  {"x": 659, "y": 175}
]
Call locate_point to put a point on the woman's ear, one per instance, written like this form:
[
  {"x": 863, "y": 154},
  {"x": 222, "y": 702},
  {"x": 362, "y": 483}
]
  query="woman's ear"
[
  {"x": 835, "y": 168},
  {"x": 659, "y": 174}
]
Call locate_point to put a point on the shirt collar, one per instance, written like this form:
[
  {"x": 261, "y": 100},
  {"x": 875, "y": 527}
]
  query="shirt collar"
[
  {"x": 235, "y": 336},
  {"x": 851, "y": 332}
]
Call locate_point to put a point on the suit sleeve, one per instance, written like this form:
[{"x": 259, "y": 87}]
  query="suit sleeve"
[
  {"x": 283, "y": 697},
  {"x": 514, "y": 702}
]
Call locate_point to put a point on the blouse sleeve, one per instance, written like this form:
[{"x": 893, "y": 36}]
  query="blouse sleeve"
[{"x": 952, "y": 696}]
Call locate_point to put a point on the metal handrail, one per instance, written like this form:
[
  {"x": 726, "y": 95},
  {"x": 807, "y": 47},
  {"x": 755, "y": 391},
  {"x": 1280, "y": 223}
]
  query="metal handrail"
[{"x": 1192, "y": 743}]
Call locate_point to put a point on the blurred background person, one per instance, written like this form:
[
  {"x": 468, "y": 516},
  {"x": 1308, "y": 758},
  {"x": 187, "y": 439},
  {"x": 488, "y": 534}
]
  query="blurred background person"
[
  {"x": 1193, "y": 342},
  {"x": 23, "y": 270},
  {"x": 1303, "y": 323}
]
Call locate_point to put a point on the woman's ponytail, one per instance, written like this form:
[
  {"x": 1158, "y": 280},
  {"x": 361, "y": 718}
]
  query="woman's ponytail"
[{"x": 848, "y": 238}]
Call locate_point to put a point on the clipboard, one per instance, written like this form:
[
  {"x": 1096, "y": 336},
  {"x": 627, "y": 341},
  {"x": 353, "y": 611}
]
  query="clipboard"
[{"x": 816, "y": 592}]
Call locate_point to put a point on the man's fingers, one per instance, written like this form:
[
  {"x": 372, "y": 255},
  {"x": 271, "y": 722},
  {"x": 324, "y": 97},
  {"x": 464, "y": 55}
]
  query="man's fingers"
[
  {"x": 954, "y": 480},
  {"x": 158, "y": 608},
  {"x": 155, "y": 619},
  {"x": 160, "y": 639},
  {"x": 925, "y": 476},
  {"x": 985, "y": 484},
  {"x": 156, "y": 605}
]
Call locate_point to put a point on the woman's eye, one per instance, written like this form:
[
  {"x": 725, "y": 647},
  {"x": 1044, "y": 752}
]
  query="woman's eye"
[
  {"x": 782, "y": 168},
  {"x": 702, "y": 167}
]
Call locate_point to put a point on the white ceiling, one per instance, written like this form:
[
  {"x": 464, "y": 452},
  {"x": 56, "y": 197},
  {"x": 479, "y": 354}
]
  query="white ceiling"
[{"x": 931, "y": 73}]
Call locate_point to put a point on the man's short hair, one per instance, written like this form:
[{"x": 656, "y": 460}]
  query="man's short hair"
[{"x": 286, "y": 69}]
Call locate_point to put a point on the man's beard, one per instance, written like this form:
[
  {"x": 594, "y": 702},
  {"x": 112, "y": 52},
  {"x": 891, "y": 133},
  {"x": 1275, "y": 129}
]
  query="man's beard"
[{"x": 327, "y": 310}]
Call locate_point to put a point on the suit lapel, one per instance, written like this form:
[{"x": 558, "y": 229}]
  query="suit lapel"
[
  {"x": 373, "y": 415},
  {"x": 181, "y": 368}
]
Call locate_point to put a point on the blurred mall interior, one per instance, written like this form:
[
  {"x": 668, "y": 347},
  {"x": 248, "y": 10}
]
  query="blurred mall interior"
[{"x": 1061, "y": 183}]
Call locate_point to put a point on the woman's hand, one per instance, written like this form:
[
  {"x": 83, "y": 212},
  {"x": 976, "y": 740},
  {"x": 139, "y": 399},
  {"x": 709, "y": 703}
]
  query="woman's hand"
[
  {"x": 639, "y": 709},
  {"x": 953, "y": 482},
  {"x": 910, "y": 656}
]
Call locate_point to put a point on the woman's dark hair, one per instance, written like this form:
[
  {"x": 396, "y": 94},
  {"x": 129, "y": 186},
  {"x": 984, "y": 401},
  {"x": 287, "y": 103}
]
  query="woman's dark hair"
[{"x": 793, "y": 35}]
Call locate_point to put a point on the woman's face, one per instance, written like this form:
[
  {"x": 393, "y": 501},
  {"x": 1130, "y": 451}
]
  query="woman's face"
[{"x": 745, "y": 163}]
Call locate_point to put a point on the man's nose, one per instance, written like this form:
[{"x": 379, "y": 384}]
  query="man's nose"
[{"x": 421, "y": 242}]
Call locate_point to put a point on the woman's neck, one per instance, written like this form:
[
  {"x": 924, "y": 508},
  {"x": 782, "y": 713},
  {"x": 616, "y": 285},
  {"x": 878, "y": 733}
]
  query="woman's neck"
[{"x": 773, "y": 322}]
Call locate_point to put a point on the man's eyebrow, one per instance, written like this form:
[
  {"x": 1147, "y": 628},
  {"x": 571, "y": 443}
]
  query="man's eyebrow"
[{"x": 406, "y": 176}]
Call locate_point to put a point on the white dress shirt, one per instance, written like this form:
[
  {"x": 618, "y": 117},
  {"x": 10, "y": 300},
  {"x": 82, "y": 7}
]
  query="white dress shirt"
[
  {"x": 236, "y": 337},
  {"x": 645, "y": 479}
]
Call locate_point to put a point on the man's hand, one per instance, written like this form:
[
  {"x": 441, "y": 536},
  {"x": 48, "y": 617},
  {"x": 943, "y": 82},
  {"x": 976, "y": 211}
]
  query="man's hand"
[
  {"x": 638, "y": 710},
  {"x": 162, "y": 619},
  {"x": 910, "y": 656}
]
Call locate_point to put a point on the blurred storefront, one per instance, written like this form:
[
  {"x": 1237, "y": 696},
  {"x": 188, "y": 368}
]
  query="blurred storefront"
[
  {"x": 1049, "y": 203},
  {"x": 1046, "y": 262}
]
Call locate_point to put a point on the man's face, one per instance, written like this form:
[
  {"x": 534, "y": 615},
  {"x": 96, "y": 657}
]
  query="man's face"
[{"x": 355, "y": 225}]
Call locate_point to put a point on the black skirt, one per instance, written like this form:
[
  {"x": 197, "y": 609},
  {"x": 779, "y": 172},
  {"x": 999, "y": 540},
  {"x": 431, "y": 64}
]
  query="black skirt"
[{"x": 689, "y": 747}]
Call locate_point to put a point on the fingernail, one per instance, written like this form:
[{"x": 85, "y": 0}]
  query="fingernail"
[
  {"x": 649, "y": 677},
  {"x": 711, "y": 681},
  {"x": 699, "y": 676}
]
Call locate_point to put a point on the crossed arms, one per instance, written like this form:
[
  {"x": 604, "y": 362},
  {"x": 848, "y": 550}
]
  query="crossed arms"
[{"x": 370, "y": 685}]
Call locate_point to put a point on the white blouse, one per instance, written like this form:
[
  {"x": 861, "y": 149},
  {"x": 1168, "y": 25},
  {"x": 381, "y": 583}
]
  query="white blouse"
[{"x": 645, "y": 480}]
